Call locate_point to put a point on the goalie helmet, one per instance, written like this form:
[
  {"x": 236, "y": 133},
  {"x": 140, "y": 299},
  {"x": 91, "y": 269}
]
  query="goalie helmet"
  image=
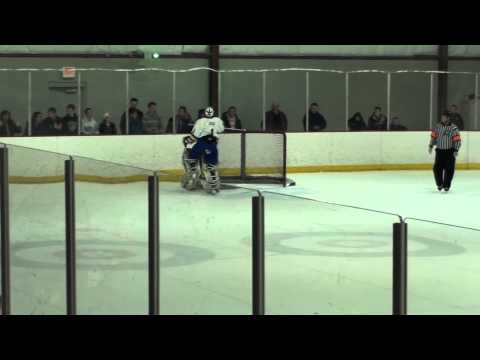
[{"x": 209, "y": 112}]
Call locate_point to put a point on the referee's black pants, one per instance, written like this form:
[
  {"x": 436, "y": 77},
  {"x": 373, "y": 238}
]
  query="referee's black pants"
[{"x": 444, "y": 167}]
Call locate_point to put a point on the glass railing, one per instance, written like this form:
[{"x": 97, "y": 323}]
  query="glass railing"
[
  {"x": 111, "y": 237},
  {"x": 37, "y": 231},
  {"x": 205, "y": 251},
  {"x": 407, "y": 97},
  {"x": 320, "y": 257},
  {"x": 326, "y": 258},
  {"x": 443, "y": 269}
]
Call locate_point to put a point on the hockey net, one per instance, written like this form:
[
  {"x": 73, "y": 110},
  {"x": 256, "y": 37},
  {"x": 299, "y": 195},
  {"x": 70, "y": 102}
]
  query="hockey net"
[{"x": 253, "y": 157}]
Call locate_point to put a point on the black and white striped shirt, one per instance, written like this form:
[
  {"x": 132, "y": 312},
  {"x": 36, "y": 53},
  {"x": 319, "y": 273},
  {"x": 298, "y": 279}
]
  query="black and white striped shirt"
[{"x": 446, "y": 137}]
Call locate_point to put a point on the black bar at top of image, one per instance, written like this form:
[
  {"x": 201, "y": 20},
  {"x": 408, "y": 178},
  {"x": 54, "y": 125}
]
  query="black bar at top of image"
[
  {"x": 71, "y": 281},
  {"x": 258, "y": 255},
  {"x": 153, "y": 247},
  {"x": 400, "y": 268},
  {"x": 5, "y": 232}
]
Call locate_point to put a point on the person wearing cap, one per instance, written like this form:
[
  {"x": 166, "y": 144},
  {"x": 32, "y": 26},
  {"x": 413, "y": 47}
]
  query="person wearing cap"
[{"x": 446, "y": 138}]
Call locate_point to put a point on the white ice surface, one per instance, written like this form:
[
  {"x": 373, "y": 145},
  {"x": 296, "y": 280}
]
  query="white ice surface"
[{"x": 320, "y": 259}]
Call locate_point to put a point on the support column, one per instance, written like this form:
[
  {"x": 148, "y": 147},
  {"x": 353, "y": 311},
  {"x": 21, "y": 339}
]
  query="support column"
[
  {"x": 442, "y": 78},
  {"x": 71, "y": 271},
  {"x": 214, "y": 63}
]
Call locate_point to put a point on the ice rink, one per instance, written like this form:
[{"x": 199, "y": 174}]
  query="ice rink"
[{"x": 320, "y": 258}]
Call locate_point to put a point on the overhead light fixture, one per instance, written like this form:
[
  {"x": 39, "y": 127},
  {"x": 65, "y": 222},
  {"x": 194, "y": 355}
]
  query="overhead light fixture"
[{"x": 155, "y": 55}]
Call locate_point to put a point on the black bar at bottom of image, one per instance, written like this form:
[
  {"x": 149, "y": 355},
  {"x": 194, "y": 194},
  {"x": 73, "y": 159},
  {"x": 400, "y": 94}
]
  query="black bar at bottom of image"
[
  {"x": 400, "y": 268},
  {"x": 71, "y": 278},
  {"x": 258, "y": 255},
  {"x": 5, "y": 232},
  {"x": 153, "y": 247}
]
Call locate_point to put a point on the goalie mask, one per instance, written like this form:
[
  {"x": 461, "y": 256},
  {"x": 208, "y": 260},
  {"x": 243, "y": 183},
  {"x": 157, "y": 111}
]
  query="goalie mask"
[{"x": 209, "y": 112}]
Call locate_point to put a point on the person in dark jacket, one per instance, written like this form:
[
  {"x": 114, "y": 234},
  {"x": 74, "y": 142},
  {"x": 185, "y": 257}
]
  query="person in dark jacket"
[
  {"x": 135, "y": 123},
  {"x": 4, "y": 125},
  {"x": 316, "y": 121},
  {"x": 8, "y": 126},
  {"x": 200, "y": 113},
  {"x": 455, "y": 117},
  {"x": 377, "y": 120},
  {"x": 70, "y": 120},
  {"x": 396, "y": 126},
  {"x": 107, "y": 127},
  {"x": 133, "y": 107},
  {"x": 356, "y": 122},
  {"x": 38, "y": 125},
  {"x": 231, "y": 119},
  {"x": 53, "y": 125},
  {"x": 183, "y": 122},
  {"x": 275, "y": 119}
]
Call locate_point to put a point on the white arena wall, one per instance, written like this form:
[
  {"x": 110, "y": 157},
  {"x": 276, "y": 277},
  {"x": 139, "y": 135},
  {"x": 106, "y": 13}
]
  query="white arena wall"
[{"x": 306, "y": 152}]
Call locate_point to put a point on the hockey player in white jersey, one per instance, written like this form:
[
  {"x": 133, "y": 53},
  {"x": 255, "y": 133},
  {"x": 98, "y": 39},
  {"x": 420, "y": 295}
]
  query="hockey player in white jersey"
[{"x": 203, "y": 151}]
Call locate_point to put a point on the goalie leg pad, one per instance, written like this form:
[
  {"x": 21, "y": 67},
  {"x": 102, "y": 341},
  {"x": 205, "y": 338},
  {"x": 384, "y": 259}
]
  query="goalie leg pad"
[
  {"x": 212, "y": 178},
  {"x": 190, "y": 180}
]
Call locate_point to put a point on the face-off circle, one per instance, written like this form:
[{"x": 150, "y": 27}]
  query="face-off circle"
[
  {"x": 352, "y": 244},
  {"x": 104, "y": 255}
]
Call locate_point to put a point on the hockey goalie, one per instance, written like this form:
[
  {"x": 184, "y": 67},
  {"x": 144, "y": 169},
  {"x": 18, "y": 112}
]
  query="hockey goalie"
[{"x": 200, "y": 155}]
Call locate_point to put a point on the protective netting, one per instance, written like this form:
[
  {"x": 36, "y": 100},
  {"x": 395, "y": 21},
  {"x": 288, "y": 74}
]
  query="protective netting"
[
  {"x": 407, "y": 97},
  {"x": 253, "y": 157}
]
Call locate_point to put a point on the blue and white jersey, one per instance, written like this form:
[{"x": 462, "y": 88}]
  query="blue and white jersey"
[{"x": 208, "y": 127}]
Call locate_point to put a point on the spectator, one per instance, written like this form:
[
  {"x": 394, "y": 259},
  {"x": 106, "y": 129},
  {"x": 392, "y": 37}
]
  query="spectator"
[
  {"x": 38, "y": 125},
  {"x": 70, "y": 121},
  {"x": 183, "y": 120},
  {"x": 395, "y": 125},
  {"x": 132, "y": 107},
  {"x": 455, "y": 117},
  {"x": 4, "y": 125},
  {"x": 107, "y": 127},
  {"x": 53, "y": 125},
  {"x": 377, "y": 120},
  {"x": 356, "y": 122},
  {"x": 135, "y": 123},
  {"x": 9, "y": 127},
  {"x": 152, "y": 122},
  {"x": 316, "y": 121},
  {"x": 275, "y": 119},
  {"x": 89, "y": 124},
  {"x": 200, "y": 114},
  {"x": 230, "y": 119}
]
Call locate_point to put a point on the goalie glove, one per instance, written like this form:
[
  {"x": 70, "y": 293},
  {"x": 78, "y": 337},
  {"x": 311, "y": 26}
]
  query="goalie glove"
[{"x": 189, "y": 141}]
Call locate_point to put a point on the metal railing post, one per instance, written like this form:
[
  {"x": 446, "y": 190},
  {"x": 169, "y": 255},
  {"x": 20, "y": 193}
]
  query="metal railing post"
[
  {"x": 153, "y": 247},
  {"x": 5, "y": 231},
  {"x": 400, "y": 268},
  {"x": 258, "y": 255},
  {"x": 71, "y": 272}
]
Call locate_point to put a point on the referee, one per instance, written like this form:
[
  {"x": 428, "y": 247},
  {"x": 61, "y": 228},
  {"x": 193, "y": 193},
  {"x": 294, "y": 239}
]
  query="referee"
[{"x": 446, "y": 137}]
